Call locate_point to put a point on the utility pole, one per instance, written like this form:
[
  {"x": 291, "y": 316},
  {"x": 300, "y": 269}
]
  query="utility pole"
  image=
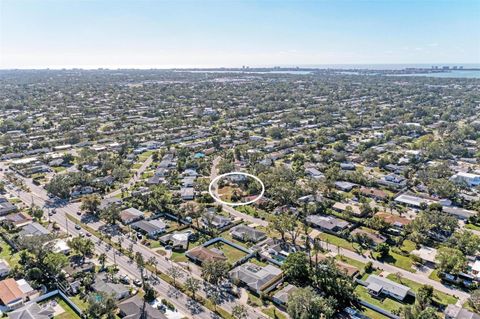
[{"x": 66, "y": 224}]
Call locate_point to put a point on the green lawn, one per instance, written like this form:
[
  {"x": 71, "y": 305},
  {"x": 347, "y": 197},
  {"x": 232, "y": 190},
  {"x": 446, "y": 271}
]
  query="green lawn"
[
  {"x": 228, "y": 237},
  {"x": 408, "y": 246},
  {"x": 82, "y": 304},
  {"x": 351, "y": 261},
  {"x": 373, "y": 314},
  {"x": 472, "y": 226},
  {"x": 272, "y": 312},
  {"x": 338, "y": 241},
  {"x": 386, "y": 303},
  {"x": 7, "y": 254},
  {"x": 59, "y": 169},
  {"x": 257, "y": 262},
  {"x": 233, "y": 254},
  {"x": 439, "y": 297},
  {"x": 254, "y": 300},
  {"x": 375, "y": 272},
  {"x": 397, "y": 260},
  {"x": 137, "y": 165},
  {"x": 142, "y": 157},
  {"x": 434, "y": 276},
  {"x": 69, "y": 313}
]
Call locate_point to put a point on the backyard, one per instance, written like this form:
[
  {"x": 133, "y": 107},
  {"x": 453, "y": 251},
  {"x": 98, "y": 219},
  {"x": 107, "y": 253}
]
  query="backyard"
[{"x": 233, "y": 254}]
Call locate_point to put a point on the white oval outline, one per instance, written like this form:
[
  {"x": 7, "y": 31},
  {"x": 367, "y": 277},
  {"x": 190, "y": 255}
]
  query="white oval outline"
[{"x": 210, "y": 191}]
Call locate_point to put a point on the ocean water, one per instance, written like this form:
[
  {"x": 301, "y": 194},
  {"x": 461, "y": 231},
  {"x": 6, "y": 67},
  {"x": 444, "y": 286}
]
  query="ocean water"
[{"x": 474, "y": 74}]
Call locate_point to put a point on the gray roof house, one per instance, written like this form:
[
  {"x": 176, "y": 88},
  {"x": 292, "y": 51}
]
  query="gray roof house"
[
  {"x": 33, "y": 229},
  {"x": 379, "y": 285},
  {"x": 107, "y": 202},
  {"x": 281, "y": 297},
  {"x": 455, "y": 312},
  {"x": 118, "y": 290},
  {"x": 150, "y": 228},
  {"x": 132, "y": 309},
  {"x": 255, "y": 277},
  {"x": 216, "y": 220},
  {"x": 6, "y": 207},
  {"x": 187, "y": 193},
  {"x": 327, "y": 223},
  {"x": 4, "y": 268},
  {"x": 33, "y": 311},
  {"x": 130, "y": 215},
  {"x": 246, "y": 233}
]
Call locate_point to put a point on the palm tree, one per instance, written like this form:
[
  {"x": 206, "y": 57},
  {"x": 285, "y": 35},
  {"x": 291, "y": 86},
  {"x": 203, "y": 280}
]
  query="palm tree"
[
  {"x": 154, "y": 262},
  {"x": 175, "y": 273},
  {"x": 192, "y": 284},
  {"x": 240, "y": 312},
  {"x": 102, "y": 258}
]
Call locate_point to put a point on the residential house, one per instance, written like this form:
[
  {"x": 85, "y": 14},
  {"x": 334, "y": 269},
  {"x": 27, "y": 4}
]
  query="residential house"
[
  {"x": 119, "y": 291},
  {"x": 347, "y": 166},
  {"x": 155, "y": 180},
  {"x": 60, "y": 246},
  {"x": 347, "y": 269},
  {"x": 375, "y": 237},
  {"x": 378, "y": 286},
  {"x": 201, "y": 254},
  {"x": 151, "y": 228},
  {"x": 130, "y": 215},
  {"x": 475, "y": 268},
  {"x": 456, "y": 312},
  {"x": 281, "y": 297},
  {"x": 218, "y": 221},
  {"x": 188, "y": 181},
  {"x": 255, "y": 277},
  {"x": 14, "y": 294},
  {"x": 247, "y": 233},
  {"x": 345, "y": 186},
  {"x": 327, "y": 223},
  {"x": 107, "y": 202},
  {"x": 413, "y": 201},
  {"x": 33, "y": 229},
  {"x": 33, "y": 311},
  {"x": 393, "y": 180},
  {"x": 343, "y": 208},
  {"x": 135, "y": 308},
  {"x": 4, "y": 268},
  {"x": 470, "y": 179},
  {"x": 178, "y": 241},
  {"x": 6, "y": 207},
  {"x": 426, "y": 254},
  {"x": 19, "y": 219},
  {"x": 314, "y": 173},
  {"x": 373, "y": 193},
  {"x": 187, "y": 193},
  {"x": 190, "y": 172},
  {"x": 394, "y": 220}
]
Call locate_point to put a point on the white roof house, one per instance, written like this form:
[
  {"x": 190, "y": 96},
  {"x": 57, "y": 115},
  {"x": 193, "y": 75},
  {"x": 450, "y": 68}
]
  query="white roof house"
[
  {"x": 60, "y": 246},
  {"x": 469, "y": 178},
  {"x": 413, "y": 200},
  {"x": 379, "y": 285},
  {"x": 426, "y": 253}
]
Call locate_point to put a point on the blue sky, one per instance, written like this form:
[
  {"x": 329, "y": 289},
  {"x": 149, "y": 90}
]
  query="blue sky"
[{"x": 209, "y": 33}]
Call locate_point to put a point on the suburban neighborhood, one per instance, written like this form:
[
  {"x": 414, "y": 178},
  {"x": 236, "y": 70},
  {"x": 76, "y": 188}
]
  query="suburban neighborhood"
[{"x": 114, "y": 201}]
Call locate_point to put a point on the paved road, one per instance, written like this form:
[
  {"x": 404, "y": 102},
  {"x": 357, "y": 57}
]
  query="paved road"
[
  {"x": 416, "y": 277},
  {"x": 39, "y": 197},
  {"x": 135, "y": 178},
  {"x": 230, "y": 209}
]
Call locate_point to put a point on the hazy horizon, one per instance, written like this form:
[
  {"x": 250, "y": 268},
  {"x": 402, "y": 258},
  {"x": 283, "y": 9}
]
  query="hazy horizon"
[{"x": 191, "y": 34}]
